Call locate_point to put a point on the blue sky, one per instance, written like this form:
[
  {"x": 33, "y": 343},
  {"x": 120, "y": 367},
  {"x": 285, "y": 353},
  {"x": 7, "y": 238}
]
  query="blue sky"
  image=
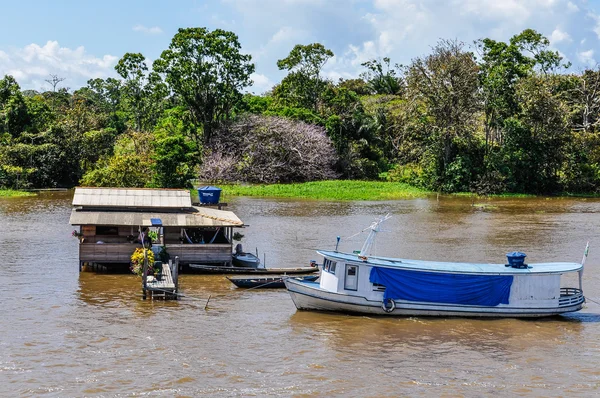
[{"x": 79, "y": 40}]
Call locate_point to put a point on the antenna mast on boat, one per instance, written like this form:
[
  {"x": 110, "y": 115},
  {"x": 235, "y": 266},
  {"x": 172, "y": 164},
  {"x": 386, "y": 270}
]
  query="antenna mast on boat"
[{"x": 374, "y": 227}]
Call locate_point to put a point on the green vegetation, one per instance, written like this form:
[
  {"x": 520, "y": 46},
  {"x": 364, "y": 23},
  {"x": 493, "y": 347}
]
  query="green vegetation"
[
  {"x": 329, "y": 190},
  {"x": 10, "y": 193},
  {"x": 508, "y": 119}
]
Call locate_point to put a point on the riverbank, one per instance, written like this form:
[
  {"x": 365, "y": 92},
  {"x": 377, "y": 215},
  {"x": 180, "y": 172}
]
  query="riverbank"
[
  {"x": 11, "y": 193},
  {"x": 329, "y": 190}
]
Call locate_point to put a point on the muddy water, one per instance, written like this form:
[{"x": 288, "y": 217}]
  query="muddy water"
[{"x": 68, "y": 334}]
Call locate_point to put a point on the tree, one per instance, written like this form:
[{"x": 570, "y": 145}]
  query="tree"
[
  {"x": 14, "y": 117},
  {"x": 174, "y": 160},
  {"x": 359, "y": 86},
  {"x": 381, "y": 78},
  {"x": 142, "y": 92},
  {"x": 534, "y": 149},
  {"x": 446, "y": 85},
  {"x": 207, "y": 71},
  {"x": 54, "y": 80},
  {"x": 501, "y": 66},
  {"x": 584, "y": 99},
  {"x": 303, "y": 84},
  {"x": 129, "y": 166},
  {"x": 175, "y": 154},
  {"x": 106, "y": 95}
]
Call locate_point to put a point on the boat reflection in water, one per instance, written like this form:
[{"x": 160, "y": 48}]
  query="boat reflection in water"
[{"x": 361, "y": 283}]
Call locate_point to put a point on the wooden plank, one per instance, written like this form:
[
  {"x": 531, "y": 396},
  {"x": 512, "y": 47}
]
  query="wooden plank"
[{"x": 166, "y": 282}]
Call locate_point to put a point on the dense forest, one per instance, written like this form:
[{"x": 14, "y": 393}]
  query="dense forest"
[{"x": 489, "y": 117}]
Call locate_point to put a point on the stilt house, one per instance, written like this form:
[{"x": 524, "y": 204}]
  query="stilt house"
[{"x": 111, "y": 220}]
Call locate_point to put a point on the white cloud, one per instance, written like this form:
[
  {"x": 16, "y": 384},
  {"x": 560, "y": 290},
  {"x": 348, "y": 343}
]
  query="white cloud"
[
  {"x": 558, "y": 36},
  {"x": 154, "y": 30},
  {"x": 261, "y": 83},
  {"x": 405, "y": 29},
  {"x": 495, "y": 9},
  {"x": 587, "y": 57},
  {"x": 285, "y": 34},
  {"x": 32, "y": 64},
  {"x": 572, "y": 7}
]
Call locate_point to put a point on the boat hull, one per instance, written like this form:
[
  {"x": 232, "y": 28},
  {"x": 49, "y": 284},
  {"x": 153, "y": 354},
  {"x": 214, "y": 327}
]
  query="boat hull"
[
  {"x": 222, "y": 269},
  {"x": 274, "y": 282},
  {"x": 309, "y": 296}
]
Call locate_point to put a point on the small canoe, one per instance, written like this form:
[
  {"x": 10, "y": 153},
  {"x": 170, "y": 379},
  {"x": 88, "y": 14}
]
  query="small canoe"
[
  {"x": 273, "y": 282},
  {"x": 222, "y": 269}
]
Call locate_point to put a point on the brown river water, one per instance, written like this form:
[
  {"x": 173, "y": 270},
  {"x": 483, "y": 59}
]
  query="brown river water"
[{"x": 65, "y": 333}]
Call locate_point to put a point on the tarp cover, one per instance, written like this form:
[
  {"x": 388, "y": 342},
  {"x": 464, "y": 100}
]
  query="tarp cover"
[{"x": 435, "y": 287}]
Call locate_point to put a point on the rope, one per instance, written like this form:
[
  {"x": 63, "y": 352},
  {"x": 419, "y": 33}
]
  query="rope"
[
  {"x": 356, "y": 234},
  {"x": 593, "y": 301}
]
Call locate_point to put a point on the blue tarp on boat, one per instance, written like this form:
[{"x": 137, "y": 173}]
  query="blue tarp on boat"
[{"x": 435, "y": 287}]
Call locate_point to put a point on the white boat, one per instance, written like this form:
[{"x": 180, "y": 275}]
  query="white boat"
[{"x": 364, "y": 284}]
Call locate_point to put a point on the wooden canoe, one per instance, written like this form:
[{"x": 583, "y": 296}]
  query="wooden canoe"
[
  {"x": 272, "y": 282},
  {"x": 222, "y": 269}
]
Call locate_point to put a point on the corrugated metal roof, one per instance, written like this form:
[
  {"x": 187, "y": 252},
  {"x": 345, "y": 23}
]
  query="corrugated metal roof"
[
  {"x": 199, "y": 217},
  {"x": 131, "y": 197}
]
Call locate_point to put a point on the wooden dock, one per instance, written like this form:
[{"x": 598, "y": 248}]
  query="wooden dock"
[{"x": 165, "y": 287}]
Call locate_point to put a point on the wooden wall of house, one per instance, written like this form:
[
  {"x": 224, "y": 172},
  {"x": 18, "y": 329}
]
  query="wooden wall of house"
[
  {"x": 108, "y": 234},
  {"x": 201, "y": 254},
  {"x": 106, "y": 253}
]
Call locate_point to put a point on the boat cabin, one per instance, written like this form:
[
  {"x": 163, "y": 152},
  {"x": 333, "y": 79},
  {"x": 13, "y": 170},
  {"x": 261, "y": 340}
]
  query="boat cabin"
[{"x": 114, "y": 221}]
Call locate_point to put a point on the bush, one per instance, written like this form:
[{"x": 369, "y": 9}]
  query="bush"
[
  {"x": 411, "y": 174},
  {"x": 263, "y": 149},
  {"x": 129, "y": 166}
]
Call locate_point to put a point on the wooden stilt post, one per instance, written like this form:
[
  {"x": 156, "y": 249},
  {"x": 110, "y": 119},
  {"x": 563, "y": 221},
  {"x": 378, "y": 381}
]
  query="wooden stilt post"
[
  {"x": 176, "y": 273},
  {"x": 144, "y": 274}
]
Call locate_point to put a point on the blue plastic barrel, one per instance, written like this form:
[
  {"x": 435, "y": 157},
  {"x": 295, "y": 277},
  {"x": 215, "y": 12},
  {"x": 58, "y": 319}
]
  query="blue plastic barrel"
[
  {"x": 516, "y": 259},
  {"x": 209, "y": 195}
]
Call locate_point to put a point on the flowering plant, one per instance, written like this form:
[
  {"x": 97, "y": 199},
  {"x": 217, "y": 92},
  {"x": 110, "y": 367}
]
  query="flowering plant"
[
  {"x": 137, "y": 261},
  {"x": 76, "y": 234}
]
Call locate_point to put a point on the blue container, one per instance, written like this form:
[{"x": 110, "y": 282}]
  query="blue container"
[
  {"x": 209, "y": 195},
  {"x": 516, "y": 259}
]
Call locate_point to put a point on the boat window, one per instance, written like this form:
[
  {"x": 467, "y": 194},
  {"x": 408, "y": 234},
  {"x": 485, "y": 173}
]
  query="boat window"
[
  {"x": 329, "y": 266},
  {"x": 351, "y": 282}
]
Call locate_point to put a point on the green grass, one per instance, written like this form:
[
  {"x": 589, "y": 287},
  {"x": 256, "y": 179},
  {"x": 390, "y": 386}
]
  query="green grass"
[
  {"x": 329, "y": 190},
  {"x": 349, "y": 190},
  {"x": 11, "y": 193}
]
